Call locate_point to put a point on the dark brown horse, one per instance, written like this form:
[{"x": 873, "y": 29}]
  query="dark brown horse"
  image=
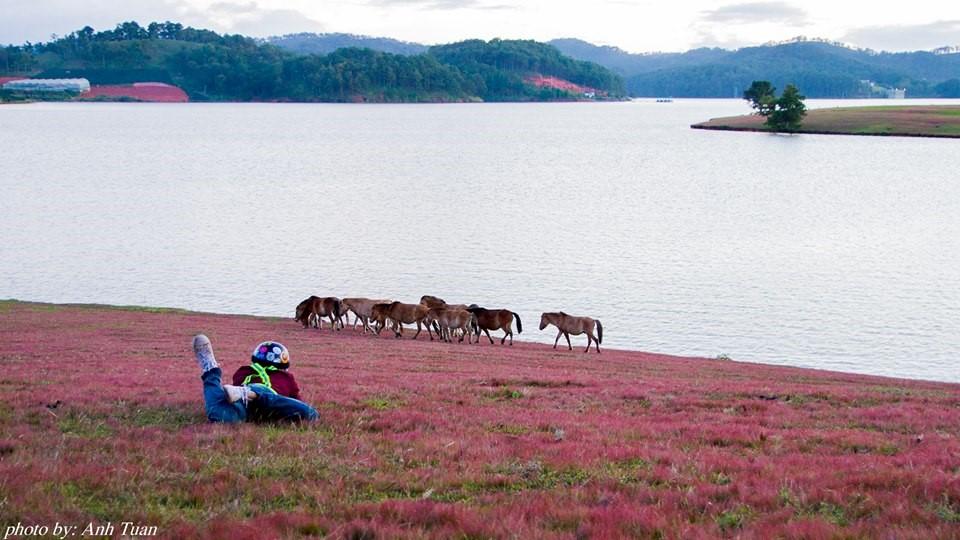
[
  {"x": 568, "y": 324},
  {"x": 495, "y": 319},
  {"x": 310, "y": 311},
  {"x": 304, "y": 312}
]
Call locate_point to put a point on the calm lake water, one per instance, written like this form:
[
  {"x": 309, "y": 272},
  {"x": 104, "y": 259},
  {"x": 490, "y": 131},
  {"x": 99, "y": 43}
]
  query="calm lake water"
[{"x": 823, "y": 251}]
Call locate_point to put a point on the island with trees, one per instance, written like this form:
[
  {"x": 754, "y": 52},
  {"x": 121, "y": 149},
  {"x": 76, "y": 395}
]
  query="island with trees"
[{"x": 788, "y": 114}]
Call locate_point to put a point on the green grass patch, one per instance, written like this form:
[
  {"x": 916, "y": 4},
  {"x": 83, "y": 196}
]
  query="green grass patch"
[
  {"x": 83, "y": 425},
  {"x": 734, "y": 519},
  {"x": 509, "y": 429},
  {"x": 506, "y": 393},
  {"x": 382, "y": 403}
]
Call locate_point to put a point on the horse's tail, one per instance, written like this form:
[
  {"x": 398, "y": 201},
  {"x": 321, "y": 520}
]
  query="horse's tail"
[
  {"x": 519, "y": 324},
  {"x": 337, "y": 308},
  {"x": 599, "y": 331}
]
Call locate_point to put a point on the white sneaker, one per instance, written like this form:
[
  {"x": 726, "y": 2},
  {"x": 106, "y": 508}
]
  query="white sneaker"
[
  {"x": 203, "y": 351},
  {"x": 236, "y": 393}
]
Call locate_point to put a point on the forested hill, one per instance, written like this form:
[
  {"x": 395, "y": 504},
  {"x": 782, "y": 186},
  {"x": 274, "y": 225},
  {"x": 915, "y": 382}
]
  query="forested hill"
[
  {"x": 819, "y": 68},
  {"x": 210, "y": 66}
]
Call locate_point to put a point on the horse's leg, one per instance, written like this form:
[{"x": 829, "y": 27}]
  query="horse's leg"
[
  {"x": 418, "y": 331},
  {"x": 589, "y": 341},
  {"x": 504, "y": 338},
  {"x": 567, "y": 335},
  {"x": 559, "y": 333},
  {"x": 487, "y": 332}
]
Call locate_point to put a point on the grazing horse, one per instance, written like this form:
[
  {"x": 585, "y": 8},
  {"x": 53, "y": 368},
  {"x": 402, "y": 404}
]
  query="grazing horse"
[
  {"x": 401, "y": 314},
  {"x": 568, "y": 324},
  {"x": 363, "y": 309},
  {"x": 449, "y": 319},
  {"x": 304, "y": 312},
  {"x": 310, "y": 311},
  {"x": 495, "y": 319}
]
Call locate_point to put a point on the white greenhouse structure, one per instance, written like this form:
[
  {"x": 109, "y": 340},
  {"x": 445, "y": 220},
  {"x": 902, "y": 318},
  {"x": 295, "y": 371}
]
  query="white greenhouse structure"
[{"x": 77, "y": 86}]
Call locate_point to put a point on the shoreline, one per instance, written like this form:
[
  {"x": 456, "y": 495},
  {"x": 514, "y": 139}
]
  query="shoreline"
[
  {"x": 925, "y": 121},
  {"x": 520, "y": 341},
  {"x": 824, "y": 132}
]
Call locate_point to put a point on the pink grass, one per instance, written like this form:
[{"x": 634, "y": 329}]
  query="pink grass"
[{"x": 421, "y": 439}]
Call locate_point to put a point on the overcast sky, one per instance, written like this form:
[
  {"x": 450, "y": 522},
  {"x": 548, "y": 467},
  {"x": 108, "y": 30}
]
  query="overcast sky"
[{"x": 634, "y": 25}]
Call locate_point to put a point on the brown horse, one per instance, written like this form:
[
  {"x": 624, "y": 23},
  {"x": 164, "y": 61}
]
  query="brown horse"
[
  {"x": 310, "y": 311},
  {"x": 495, "y": 319},
  {"x": 378, "y": 316},
  {"x": 448, "y": 320},
  {"x": 401, "y": 314},
  {"x": 432, "y": 301},
  {"x": 304, "y": 312},
  {"x": 363, "y": 309},
  {"x": 568, "y": 324}
]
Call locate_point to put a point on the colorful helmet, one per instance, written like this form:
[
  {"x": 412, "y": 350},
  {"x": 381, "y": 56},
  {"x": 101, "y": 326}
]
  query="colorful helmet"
[{"x": 271, "y": 353}]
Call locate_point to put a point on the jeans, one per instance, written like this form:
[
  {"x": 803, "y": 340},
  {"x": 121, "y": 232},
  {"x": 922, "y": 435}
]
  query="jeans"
[{"x": 267, "y": 407}]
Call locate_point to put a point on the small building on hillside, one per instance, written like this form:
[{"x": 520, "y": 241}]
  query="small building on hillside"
[
  {"x": 43, "y": 86},
  {"x": 874, "y": 90}
]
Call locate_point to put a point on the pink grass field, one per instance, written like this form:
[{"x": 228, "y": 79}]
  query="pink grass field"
[
  {"x": 147, "y": 91},
  {"x": 102, "y": 420}
]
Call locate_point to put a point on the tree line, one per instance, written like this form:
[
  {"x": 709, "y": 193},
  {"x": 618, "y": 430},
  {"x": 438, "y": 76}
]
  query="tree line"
[{"x": 210, "y": 66}]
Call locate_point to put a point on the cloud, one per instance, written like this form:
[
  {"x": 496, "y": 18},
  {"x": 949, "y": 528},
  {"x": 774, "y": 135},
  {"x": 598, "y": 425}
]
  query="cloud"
[
  {"x": 249, "y": 19},
  {"x": 757, "y": 12},
  {"x": 906, "y": 37},
  {"x": 30, "y": 20},
  {"x": 439, "y": 4}
]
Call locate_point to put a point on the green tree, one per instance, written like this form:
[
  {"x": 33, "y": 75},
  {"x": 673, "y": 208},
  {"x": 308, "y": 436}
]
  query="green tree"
[
  {"x": 762, "y": 97},
  {"x": 788, "y": 111}
]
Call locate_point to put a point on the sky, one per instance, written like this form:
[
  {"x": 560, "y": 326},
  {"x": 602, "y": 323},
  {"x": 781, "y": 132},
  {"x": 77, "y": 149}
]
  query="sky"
[{"x": 632, "y": 25}]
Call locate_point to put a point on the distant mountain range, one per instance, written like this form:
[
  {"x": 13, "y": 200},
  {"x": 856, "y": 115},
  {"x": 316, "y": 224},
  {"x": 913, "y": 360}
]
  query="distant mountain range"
[
  {"x": 820, "y": 68},
  {"x": 346, "y": 67},
  {"x": 305, "y": 43}
]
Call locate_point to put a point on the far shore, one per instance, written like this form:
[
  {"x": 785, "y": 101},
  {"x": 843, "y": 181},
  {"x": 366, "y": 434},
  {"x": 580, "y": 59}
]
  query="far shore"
[{"x": 938, "y": 121}]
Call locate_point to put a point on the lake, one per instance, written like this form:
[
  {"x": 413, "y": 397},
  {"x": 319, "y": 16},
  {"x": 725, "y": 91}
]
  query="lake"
[{"x": 832, "y": 252}]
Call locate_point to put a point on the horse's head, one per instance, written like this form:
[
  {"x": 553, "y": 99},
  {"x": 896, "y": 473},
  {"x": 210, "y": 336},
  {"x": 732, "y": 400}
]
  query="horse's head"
[{"x": 544, "y": 321}]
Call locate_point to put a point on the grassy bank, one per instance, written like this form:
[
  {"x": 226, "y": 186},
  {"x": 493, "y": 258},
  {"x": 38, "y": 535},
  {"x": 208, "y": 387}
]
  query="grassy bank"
[
  {"x": 102, "y": 421},
  {"x": 895, "y": 120}
]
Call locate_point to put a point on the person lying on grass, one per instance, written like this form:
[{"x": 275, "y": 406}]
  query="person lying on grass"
[{"x": 273, "y": 398}]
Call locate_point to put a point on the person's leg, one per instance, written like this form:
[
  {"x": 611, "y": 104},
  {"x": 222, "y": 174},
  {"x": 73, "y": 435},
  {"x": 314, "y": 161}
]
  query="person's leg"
[
  {"x": 271, "y": 407},
  {"x": 219, "y": 406},
  {"x": 217, "y": 402}
]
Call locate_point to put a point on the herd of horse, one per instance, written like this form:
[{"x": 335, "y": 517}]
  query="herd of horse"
[{"x": 447, "y": 320}]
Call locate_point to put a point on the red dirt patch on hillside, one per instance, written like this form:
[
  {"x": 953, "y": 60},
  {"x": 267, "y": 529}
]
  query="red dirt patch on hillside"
[
  {"x": 147, "y": 91},
  {"x": 102, "y": 420},
  {"x": 542, "y": 81}
]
